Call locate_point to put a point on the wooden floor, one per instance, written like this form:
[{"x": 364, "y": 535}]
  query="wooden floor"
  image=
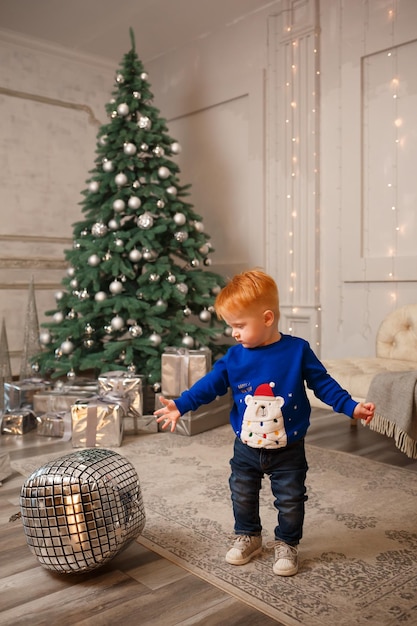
[{"x": 138, "y": 586}]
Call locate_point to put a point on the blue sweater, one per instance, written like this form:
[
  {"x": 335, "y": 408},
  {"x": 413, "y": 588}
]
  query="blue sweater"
[{"x": 289, "y": 363}]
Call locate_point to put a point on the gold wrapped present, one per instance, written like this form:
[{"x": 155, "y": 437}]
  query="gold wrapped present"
[
  {"x": 18, "y": 422},
  {"x": 181, "y": 368},
  {"x": 55, "y": 425},
  {"x": 98, "y": 422}
]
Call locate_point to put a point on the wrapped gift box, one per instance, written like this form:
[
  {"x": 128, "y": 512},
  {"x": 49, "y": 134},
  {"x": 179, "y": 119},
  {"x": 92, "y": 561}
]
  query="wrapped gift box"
[
  {"x": 98, "y": 422},
  {"x": 58, "y": 400},
  {"x": 18, "y": 422},
  {"x": 208, "y": 416},
  {"x": 21, "y": 392},
  {"x": 55, "y": 425},
  {"x": 126, "y": 385},
  {"x": 181, "y": 368}
]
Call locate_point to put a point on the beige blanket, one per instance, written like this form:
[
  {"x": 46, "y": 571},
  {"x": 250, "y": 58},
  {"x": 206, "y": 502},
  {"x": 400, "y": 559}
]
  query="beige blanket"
[{"x": 395, "y": 397}]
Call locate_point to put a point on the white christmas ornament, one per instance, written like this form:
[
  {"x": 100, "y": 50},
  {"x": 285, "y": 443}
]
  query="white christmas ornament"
[
  {"x": 120, "y": 179},
  {"x": 45, "y": 337},
  {"x": 71, "y": 271},
  {"x": 116, "y": 287},
  {"x": 199, "y": 226},
  {"x": 100, "y": 296},
  {"x": 67, "y": 347},
  {"x": 205, "y": 316},
  {"x": 123, "y": 109},
  {"x": 134, "y": 202},
  {"x": 129, "y": 149},
  {"x": 187, "y": 341},
  {"x": 172, "y": 190},
  {"x": 163, "y": 172},
  {"x": 175, "y": 147},
  {"x": 108, "y": 165},
  {"x": 113, "y": 224},
  {"x": 144, "y": 122},
  {"x": 119, "y": 205},
  {"x": 59, "y": 295},
  {"x": 135, "y": 330},
  {"x": 98, "y": 229},
  {"x": 180, "y": 219},
  {"x": 93, "y": 260},
  {"x": 117, "y": 322},
  {"x": 103, "y": 140},
  {"x": 94, "y": 186},
  {"x": 145, "y": 220}
]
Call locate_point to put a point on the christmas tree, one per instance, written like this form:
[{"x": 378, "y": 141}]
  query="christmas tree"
[{"x": 137, "y": 278}]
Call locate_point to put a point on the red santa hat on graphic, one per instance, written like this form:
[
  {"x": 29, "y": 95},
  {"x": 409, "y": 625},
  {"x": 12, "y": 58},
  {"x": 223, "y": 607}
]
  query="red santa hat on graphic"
[{"x": 265, "y": 390}]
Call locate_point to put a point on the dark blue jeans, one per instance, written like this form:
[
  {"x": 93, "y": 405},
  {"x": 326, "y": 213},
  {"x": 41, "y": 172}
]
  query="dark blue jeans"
[{"x": 287, "y": 468}]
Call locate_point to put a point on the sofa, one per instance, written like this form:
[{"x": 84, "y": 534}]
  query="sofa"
[{"x": 396, "y": 351}]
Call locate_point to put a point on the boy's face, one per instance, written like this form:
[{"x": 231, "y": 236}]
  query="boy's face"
[{"x": 253, "y": 328}]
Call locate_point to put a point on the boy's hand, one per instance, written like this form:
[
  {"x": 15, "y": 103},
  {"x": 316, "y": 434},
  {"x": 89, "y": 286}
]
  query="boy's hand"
[
  {"x": 168, "y": 414},
  {"x": 364, "y": 411}
]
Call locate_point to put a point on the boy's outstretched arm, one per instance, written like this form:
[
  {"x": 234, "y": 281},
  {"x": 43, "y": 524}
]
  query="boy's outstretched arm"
[
  {"x": 168, "y": 414},
  {"x": 364, "y": 411}
]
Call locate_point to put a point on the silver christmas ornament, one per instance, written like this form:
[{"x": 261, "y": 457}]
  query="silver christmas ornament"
[
  {"x": 171, "y": 279},
  {"x": 134, "y": 202},
  {"x": 120, "y": 79},
  {"x": 131, "y": 368},
  {"x": 76, "y": 245},
  {"x": 113, "y": 224},
  {"x": 71, "y": 271},
  {"x": 135, "y": 255},
  {"x": 207, "y": 262},
  {"x": 163, "y": 172},
  {"x": 204, "y": 249},
  {"x": 71, "y": 315},
  {"x": 71, "y": 375},
  {"x": 187, "y": 311},
  {"x": 59, "y": 295},
  {"x": 154, "y": 278},
  {"x": 160, "y": 204},
  {"x": 93, "y": 260},
  {"x": 117, "y": 322},
  {"x": 108, "y": 329},
  {"x": 158, "y": 151},
  {"x": 84, "y": 232},
  {"x": 94, "y": 186},
  {"x": 119, "y": 205},
  {"x": 103, "y": 140},
  {"x": 144, "y": 122},
  {"x": 129, "y": 149},
  {"x": 116, "y": 287},
  {"x": 195, "y": 263},
  {"x": 175, "y": 147},
  {"x": 155, "y": 339},
  {"x": 100, "y": 296},
  {"x": 58, "y": 317},
  {"x": 83, "y": 294},
  {"x": 99, "y": 229},
  {"x": 120, "y": 179},
  {"x": 88, "y": 329},
  {"x": 144, "y": 76},
  {"x": 172, "y": 191},
  {"x": 144, "y": 147},
  {"x": 145, "y": 220},
  {"x": 180, "y": 219},
  {"x": 136, "y": 184},
  {"x": 181, "y": 236},
  {"x": 88, "y": 343},
  {"x": 187, "y": 341},
  {"x": 123, "y": 109},
  {"x": 136, "y": 95},
  {"x": 160, "y": 303},
  {"x": 74, "y": 283},
  {"x": 199, "y": 226},
  {"x": 135, "y": 330},
  {"x": 182, "y": 288},
  {"x": 205, "y": 315}
]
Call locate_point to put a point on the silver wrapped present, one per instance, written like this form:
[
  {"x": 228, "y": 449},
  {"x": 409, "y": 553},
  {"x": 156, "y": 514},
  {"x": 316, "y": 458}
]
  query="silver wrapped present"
[
  {"x": 98, "y": 422},
  {"x": 58, "y": 400},
  {"x": 80, "y": 510},
  {"x": 18, "y": 422},
  {"x": 206, "y": 417},
  {"x": 55, "y": 425},
  {"x": 181, "y": 368},
  {"x": 126, "y": 385},
  {"x": 21, "y": 392}
]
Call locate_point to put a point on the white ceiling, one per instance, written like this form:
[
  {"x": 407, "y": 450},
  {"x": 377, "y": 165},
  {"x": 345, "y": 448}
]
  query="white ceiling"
[{"x": 101, "y": 27}]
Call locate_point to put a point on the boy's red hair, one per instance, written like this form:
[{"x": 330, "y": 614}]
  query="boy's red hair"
[{"x": 246, "y": 289}]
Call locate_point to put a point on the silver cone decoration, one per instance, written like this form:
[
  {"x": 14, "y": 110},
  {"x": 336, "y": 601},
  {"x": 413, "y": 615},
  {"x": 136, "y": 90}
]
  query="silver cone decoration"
[
  {"x": 5, "y": 367},
  {"x": 31, "y": 344}
]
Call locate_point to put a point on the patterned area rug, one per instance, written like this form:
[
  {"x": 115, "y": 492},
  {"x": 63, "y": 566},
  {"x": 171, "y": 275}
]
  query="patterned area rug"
[{"x": 358, "y": 557}]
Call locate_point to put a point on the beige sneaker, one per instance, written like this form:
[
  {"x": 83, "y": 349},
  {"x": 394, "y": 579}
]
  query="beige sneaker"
[
  {"x": 286, "y": 559},
  {"x": 243, "y": 549}
]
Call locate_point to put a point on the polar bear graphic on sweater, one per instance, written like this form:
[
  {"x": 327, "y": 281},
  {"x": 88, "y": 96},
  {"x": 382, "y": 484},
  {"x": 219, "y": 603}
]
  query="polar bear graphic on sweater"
[{"x": 263, "y": 423}]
